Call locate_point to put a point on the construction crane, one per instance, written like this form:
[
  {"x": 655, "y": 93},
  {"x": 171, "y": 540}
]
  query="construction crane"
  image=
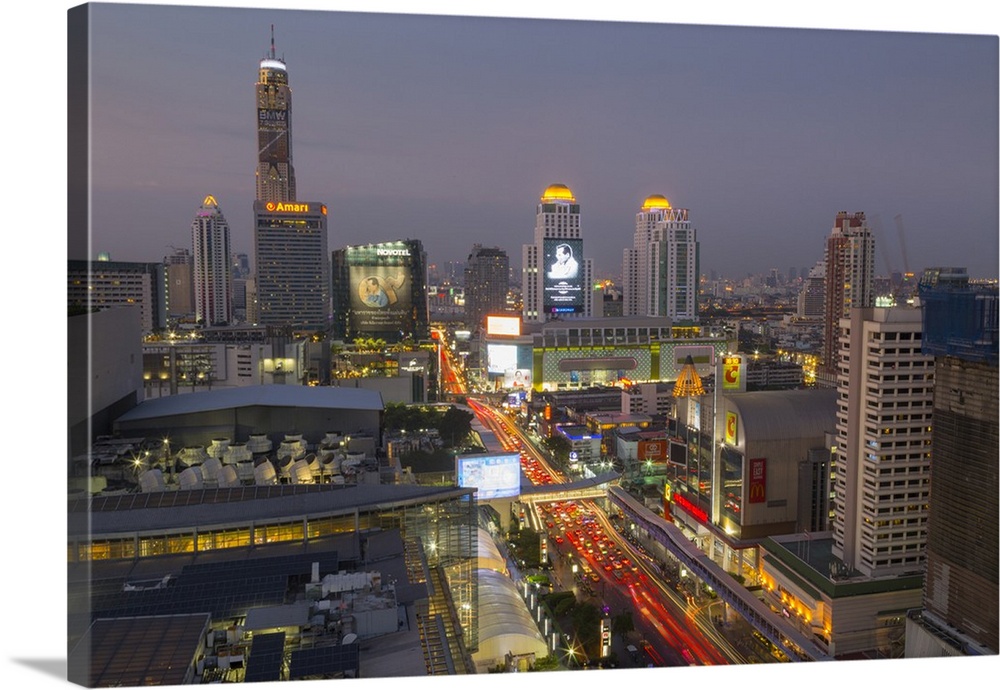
[
  {"x": 894, "y": 284},
  {"x": 907, "y": 275}
]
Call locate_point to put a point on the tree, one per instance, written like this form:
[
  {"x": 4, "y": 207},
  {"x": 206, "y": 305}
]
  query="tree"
[
  {"x": 587, "y": 623},
  {"x": 455, "y": 425},
  {"x": 622, "y": 624},
  {"x": 559, "y": 446}
]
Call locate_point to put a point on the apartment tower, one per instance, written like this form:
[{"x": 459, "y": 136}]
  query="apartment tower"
[
  {"x": 487, "y": 279},
  {"x": 556, "y": 278},
  {"x": 213, "y": 278},
  {"x": 660, "y": 270},
  {"x": 850, "y": 276}
]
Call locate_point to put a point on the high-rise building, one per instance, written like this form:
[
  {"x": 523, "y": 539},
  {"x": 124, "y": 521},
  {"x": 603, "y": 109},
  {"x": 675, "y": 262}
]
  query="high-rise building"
[
  {"x": 811, "y": 297},
  {"x": 883, "y": 456},
  {"x": 180, "y": 283},
  {"x": 556, "y": 278},
  {"x": 850, "y": 275},
  {"x": 275, "y": 174},
  {"x": 213, "y": 277},
  {"x": 487, "y": 279},
  {"x": 380, "y": 291},
  {"x": 960, "y": 603},
  {"x": 661, "y": 268},
  {"x": 290, "y": 243},
  {"x": 99, "y": 285},
  {"x": 293, "y": 266}
]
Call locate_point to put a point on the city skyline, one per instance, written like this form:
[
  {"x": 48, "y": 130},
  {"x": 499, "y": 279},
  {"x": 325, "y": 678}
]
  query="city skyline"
[{"x": 764, "y": 134}]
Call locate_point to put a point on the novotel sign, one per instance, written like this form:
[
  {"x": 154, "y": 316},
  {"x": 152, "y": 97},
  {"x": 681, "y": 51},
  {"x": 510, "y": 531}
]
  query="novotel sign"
[
  {"x": 385, "y": 251},
  {"x": 290, "y": 207}
]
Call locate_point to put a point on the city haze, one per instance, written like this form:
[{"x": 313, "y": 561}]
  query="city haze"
[{"x": 447, "y": 130}]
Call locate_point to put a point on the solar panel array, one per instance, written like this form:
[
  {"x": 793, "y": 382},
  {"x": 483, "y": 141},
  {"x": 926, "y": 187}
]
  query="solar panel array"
[
  {"x": 324, "y": 661},
  {"x": 267, "y": 653}
]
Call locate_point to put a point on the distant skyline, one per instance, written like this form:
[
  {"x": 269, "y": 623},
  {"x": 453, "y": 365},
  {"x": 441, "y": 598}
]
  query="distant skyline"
[{"x": 448, "y": 129}]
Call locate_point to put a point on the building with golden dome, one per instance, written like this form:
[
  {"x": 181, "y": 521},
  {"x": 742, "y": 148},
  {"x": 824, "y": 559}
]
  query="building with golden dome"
[
  {"x": 660, "y": 270},
  {"x": 556, "y": 277}
]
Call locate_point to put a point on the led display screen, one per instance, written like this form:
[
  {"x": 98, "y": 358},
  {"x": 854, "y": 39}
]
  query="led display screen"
[
  {"x": 381, "y": 286},
  {"x": 501, "y": 358},
  {"x": 493, "y": 475},
  {"x": 563, "y": 282}
]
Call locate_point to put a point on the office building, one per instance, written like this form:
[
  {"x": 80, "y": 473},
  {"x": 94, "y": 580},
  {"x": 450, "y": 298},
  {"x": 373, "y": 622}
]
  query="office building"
[
  {"x": 960, "y": 598},
  {"x": 661, "y": 268},
  {"x": 556, "y": 278},
  {"x": 487, "y": 278},
  {"x": 213, "y": 279},
  {"x": 812, "y": 296},
  {"x": 97, "y": 285},
  {"x": 180, "y": 284},
  {"x": 886, "y": 386},
  {"x": 275, "y": 174},
  {"x": 850, "y": 275},
  {"x": 380, "y": 291},
  {"x": 293, "y": 266}
]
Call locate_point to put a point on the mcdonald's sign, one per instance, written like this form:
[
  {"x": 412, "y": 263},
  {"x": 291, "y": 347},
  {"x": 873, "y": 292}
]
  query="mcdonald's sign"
[
  {"x": 731, "y": 428},
  {"x": 757, "y": 486},
  {"x": 731, "y": 373}
]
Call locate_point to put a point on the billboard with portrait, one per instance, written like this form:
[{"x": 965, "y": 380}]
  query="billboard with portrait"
[
  {"x": 381, "y": 287},
  {"x": 562, "y": 285},
  {"x": 494, "y": 475}
]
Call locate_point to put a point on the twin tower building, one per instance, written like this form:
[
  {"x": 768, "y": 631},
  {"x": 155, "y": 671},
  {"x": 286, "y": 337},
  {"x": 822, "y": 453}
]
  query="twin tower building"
[{"x": 380, "y": 290}]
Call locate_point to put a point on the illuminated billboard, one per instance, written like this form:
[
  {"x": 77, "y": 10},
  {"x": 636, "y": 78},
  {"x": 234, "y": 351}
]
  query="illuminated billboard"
[
  {"x": 757, "y": 489},
  {"x": 503, "y": 325},
  {"x": 655, "y": 450},
  {"x": 732, "y": 369},
  {"x": 501, "y": 358},
  {"x": 381, "y": 289},
  {"x": 562, "y": 286},
  {"x": 493, "y": 475}
]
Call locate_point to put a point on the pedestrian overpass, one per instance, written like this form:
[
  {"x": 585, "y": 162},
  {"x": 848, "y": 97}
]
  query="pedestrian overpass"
[{"x": 784, "y": 636}]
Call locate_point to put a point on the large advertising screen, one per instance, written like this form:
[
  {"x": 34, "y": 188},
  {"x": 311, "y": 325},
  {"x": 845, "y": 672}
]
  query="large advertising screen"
[
  {"x": 382, "y": 289},
  {"x": 493, "y": 475},
  {"x": 501, "y": 358},
  {"x": 563, "y": 282},
  {"x": 503, "y": 325}
]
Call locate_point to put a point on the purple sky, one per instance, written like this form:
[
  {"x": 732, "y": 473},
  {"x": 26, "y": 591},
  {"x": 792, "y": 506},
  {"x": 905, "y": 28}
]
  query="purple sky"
[{"x": 447, "y": 129}]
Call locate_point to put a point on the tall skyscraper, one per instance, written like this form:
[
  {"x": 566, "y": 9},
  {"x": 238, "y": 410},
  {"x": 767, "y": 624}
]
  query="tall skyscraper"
[
  {"x": 213, "y": 277},
  {"x": 275, "y": 174},
  {"x": 487, "y": 279},
  {"x": 661, "y": 268},
  {"x": 556, "y": 278},
  {"x": 850, "y": 276},
  {"x": 883, "y": 453},
  {"x": 290, "y": 242},
  {"x": 180, "y": 283},
  {"x": 380, "y": 291},
  {"x": 293, "y": 266},
  {"x": 960, "y": 603}
]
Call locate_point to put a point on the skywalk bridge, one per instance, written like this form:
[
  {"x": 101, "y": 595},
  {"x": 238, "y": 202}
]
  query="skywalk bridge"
[{"x": 785, "y": 637}]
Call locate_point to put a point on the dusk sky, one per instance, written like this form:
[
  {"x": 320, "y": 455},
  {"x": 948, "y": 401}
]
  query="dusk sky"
[
  {"x": 407, "y": 127},
  {"x": 447, "y": 130}
]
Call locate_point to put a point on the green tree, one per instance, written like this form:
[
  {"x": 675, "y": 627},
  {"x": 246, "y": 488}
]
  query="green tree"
[
  {"x": 455, "y": 426},
  {"x": 559, "y": 446},
  {"x": 622, "y": 624},
  {"x": 587, "y": 623}
]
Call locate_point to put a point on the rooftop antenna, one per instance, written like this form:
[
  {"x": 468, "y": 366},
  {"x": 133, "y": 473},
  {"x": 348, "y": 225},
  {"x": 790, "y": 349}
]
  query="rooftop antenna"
[{"x": 272, "y": 41}]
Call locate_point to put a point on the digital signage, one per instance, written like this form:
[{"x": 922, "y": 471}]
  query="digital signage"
[
  {"x": 381, "y": 288},
  {"x": 562, "y": 285},
  {"x": 493, "y": 475},
  {"x": 501, "y": 358},
  {"x": 503, "y": 325},
  {"x": 654, "y": 450},
  {"x": 757, "y": 490},
  {"x": 731, "y": 369}
]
